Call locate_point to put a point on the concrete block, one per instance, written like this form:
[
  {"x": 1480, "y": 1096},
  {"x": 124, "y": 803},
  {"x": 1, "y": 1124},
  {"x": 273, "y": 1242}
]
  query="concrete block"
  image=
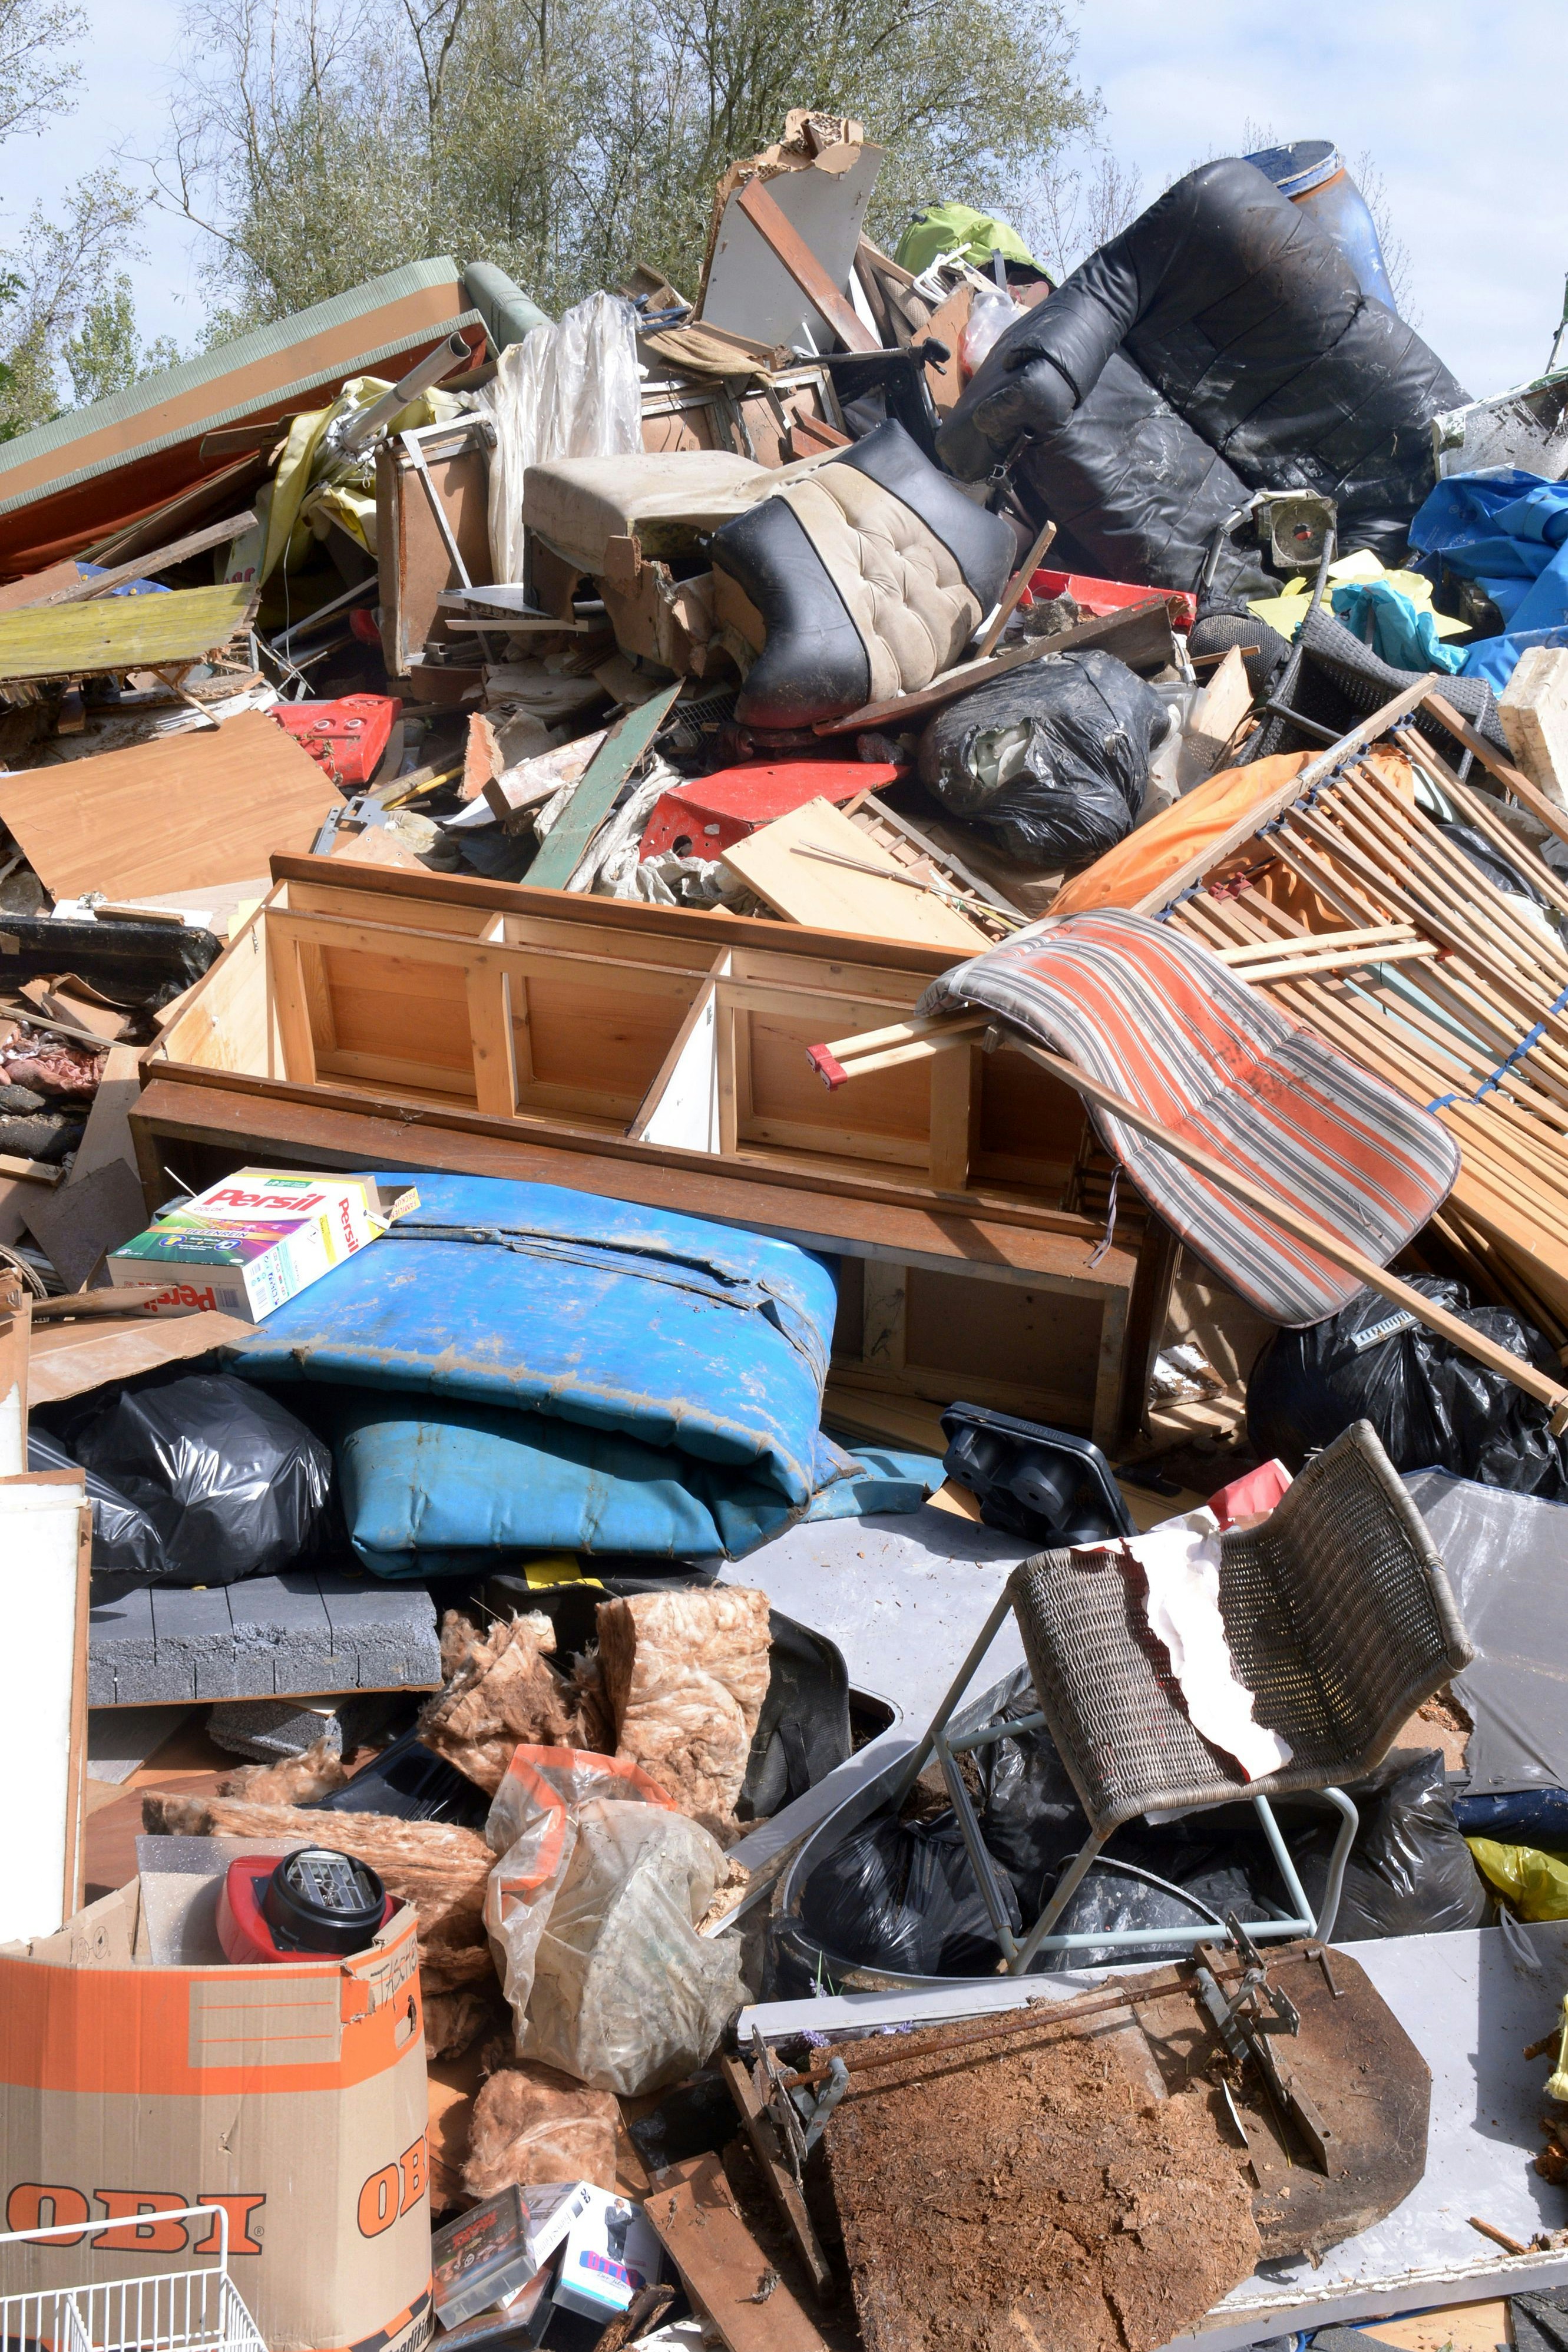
[
  {"x": 1534, "y": 709},
  {"x": 269, "y": 1729},
  {"x": 282, "y": 1636},
  {"x": 265, "y": 1638}
]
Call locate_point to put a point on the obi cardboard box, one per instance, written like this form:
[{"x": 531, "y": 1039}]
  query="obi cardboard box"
[
  {"x": 291, "y": 2095},
  {"x": 247, "y": 1244}
]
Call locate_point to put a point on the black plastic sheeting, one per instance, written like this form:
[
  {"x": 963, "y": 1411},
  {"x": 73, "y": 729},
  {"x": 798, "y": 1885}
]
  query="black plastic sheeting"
[
  {"x": 1507, "y": 1558},
  {"x": 900, "y": 1897},
  {"x": 229, "y": 1482},
  {"x": 125, "y": 1543},
  {"x": 1076, "y": 774},
  {"x": 1426, "y": 1400},
  {"x": 1246, "y": 320}
]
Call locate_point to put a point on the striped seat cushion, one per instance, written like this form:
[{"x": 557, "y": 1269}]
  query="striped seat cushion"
[{"x": 1158, "y": 1018}]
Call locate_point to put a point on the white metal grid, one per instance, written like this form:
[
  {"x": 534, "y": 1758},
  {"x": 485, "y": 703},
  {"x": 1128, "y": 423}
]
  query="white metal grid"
[{"x": 176, "y": 2311}]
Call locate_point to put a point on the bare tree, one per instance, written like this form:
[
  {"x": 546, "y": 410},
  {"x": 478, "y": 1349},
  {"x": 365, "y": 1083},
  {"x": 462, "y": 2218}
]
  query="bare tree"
[
  {"x": 1073, "y": 210},
  {"x": 56, "y": 273},
  {"x": 37, "y": 77}
]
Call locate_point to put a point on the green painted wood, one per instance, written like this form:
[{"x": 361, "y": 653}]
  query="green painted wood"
[
  {"x": 602, "y": 779},
  {"x": 120, "y": 633}
]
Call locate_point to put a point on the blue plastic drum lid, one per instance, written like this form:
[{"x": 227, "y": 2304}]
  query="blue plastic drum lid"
[{"x": 1311, "y": 172}]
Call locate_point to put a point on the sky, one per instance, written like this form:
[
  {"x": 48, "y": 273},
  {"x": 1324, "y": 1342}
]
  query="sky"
[{"x": 1461, "y": 104}]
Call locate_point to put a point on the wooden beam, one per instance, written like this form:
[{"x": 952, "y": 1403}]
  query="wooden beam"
[
  {"x": 792, "y": 250},
  {"x": 211, "y": 534},
  {"x": 124, "y": 632},
  {"x": 624, "y": 744},
  {"x": 1527, "y": 794}
]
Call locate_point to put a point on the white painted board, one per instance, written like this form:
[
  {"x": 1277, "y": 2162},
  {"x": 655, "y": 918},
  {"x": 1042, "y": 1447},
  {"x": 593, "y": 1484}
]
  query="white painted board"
[
  {"x": 41, "y": 1593},
  {"x": 749, "y": 290}
]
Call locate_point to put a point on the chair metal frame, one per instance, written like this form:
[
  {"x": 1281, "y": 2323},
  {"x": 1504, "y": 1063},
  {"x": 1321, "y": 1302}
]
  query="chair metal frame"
[{"x": 1017, "y": 1952}]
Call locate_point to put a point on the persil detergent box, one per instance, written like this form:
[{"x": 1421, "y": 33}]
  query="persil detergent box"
[{"x": 249, "y": 1243}]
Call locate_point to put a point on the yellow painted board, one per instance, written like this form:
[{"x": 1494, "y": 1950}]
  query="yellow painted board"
[
  {"x": 120, "y": 633},
  {"x": 777, "y": 862}
]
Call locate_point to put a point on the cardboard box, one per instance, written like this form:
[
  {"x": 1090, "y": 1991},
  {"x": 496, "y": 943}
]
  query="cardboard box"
[
  {"x": 245, "y": 1246},
  {"x": 610, "y": 2255},
  {"x": 292, "y": 2096},
  {"x": 492, "y": 2251}
]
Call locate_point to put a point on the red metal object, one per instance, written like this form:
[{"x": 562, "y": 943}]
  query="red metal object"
[
  {"x": 347, "y": 737},
  {"x": 1102, "y": 597},
  {"x": 701, "y": 818}
]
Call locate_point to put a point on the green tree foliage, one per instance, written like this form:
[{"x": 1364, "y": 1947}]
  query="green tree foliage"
[{"x": 319, "y": 141}]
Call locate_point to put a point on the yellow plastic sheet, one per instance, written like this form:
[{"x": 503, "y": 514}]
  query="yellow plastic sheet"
[{"x": 1536, "y": 1884}]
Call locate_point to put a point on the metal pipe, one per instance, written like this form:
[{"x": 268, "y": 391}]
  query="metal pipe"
[{"x": 369, "y": 422}]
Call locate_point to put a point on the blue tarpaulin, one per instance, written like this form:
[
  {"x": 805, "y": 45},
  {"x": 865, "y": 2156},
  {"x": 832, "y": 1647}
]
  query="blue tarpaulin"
[
  {"x": 519, "y": 1366},
  {"x": 1507, "y": 531}
]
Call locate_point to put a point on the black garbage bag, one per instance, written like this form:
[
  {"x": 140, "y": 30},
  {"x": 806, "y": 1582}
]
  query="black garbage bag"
[
  {"x": 125, "y": 1543},
  {"x": 1052, "y": 760},
  {"x": 1113, "y": 1900},
  {"x": 1410, "y": 1871},
  {"x": 902, "y": 1897},
  {"x": 233, "y": 1484},
  {"x": 1430, "y": 1405}
]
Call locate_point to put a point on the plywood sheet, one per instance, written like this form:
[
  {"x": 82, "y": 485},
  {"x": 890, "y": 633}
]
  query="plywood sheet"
[
  {"x": 780, "y": 865},
  {"x": 205, "y": 807},
  {"x": 118, "y": 633}
]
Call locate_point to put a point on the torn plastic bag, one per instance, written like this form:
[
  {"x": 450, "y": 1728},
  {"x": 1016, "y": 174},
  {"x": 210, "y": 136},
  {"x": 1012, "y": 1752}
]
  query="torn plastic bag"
[
  {"x": 1052, "y": 760},
  {"x": 533, "y": 1367},
  {"x": 1409, "y": 1873},
  {"x": 902, "y": 1896},
  {"x": 591, "y": 1911},
  {"x": 1536, "y": 1884},
  {"x": 125, "y": 1543},
  {"x": 233, "y": 1484},
  {"x": 1427, "y": 1401}
]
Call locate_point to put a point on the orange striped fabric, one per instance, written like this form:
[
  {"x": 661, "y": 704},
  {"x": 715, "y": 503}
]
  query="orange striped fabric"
[{"x": 1156, "y": 1015}]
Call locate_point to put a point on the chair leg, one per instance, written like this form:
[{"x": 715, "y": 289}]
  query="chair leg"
[
  {"x": 1067, "y": 1886},
  {"x": 1333, "y": 1886},
  {"x": 956, "y": 1689},
  {"x": 980, "y": 1859}
]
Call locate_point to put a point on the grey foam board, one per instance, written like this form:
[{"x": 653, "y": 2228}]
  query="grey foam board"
[{"x": 267, "y": 1637}]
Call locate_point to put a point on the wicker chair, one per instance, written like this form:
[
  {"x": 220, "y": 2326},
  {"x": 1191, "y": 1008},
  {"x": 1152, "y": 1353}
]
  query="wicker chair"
[{"x": 1340, "y": 1620}]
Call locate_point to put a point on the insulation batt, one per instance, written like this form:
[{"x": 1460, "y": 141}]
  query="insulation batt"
[
  {"x": 440, "y": 1869},
  {"x": 454, "y": 2021},
  {"x": 502, "y": 1695},
  {"x": 532, "y": 2124},
  {"x": 687, "y": 1674},
  {"x": 293, "y": 1780}
]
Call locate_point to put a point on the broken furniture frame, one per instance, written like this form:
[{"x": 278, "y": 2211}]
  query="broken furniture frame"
[
  {"x": 1337, "y": 1612},
  {"x": 405, "y": 1020},
  {"x": 1473, "y": 957}
]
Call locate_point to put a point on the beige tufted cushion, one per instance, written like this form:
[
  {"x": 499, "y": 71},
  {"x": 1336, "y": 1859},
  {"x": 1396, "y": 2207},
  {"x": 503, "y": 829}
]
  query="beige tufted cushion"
[{"x": 901, "y": 587}]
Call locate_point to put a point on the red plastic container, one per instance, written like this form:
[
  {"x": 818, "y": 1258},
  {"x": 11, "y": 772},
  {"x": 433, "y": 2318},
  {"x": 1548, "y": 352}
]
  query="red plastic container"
[
  {"x": 347, "y": 737},
  {"x": 701, "y": 818},
  {"x": 1102, "y": 597}
]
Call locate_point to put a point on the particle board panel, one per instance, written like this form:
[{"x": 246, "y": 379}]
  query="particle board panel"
[{"x": 205, "y": 807}]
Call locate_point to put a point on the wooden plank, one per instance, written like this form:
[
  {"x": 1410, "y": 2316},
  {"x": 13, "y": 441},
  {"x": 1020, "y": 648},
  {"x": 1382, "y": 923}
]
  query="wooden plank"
[
  {"x": 624, "y": 744},
  {"x": 768, "y": 219},
  {"x": 722, "y": 2266},
  {"x": 809, "y": 864},
  {"x": 786, "y": 2190},
  {"x": 1273, "y": 804},
  {"x": 1527, "y": 794},
  {"x": 179, "y": 813},
  {"x": 211, "y": 534},
  {"x": 971, "y": 674},
  {"x": 491, "y": 1030},
  {"x": 122, "y": 633},
  {"x": 1014, "y": 590}
]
